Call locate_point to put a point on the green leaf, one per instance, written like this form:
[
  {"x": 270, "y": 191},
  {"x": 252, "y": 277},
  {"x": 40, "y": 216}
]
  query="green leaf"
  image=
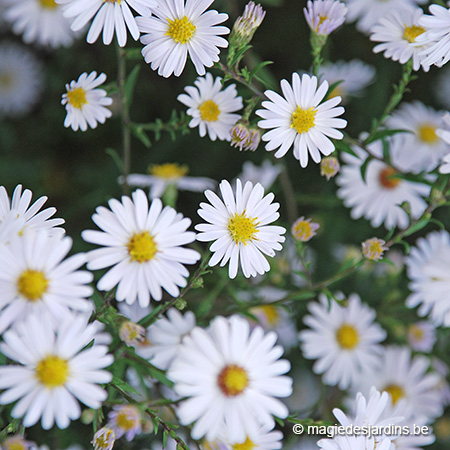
[
  {"x": 165, "y": 436},
  {"x": 363, "y": 168},
  {"x": 422, "y": 223},
  {"x": 123, "y": 386},
  {"x": 256, "y": 69},
  {"x": 130, "y": 84},
  {"x": 115, "y": 157},
  {"x": 344, "y": 147},
  {"x": 138, "y": 132},
  {"x": 382, "y": 134}
]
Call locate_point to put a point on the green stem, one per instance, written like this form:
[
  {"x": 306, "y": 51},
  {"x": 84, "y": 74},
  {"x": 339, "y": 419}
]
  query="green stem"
[
  {"x": 317, "y": 41},
  {"x": 240, "y": 79}
]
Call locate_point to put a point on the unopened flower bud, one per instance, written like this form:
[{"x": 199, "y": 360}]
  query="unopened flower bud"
[
  {"x": 131, "y": 333},
  {"x": 303, "y": 229},
  {"x": 329, "y": 167},
  {"x": 374, "y": 248},
  {"x": 104, "y": 439}
]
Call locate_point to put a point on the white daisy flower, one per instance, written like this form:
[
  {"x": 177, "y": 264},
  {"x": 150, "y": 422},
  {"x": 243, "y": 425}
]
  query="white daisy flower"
[
  {"x": 35, "y": 278},
  {"x": 239, "y": 226},
  {"x": 125, "y": 420},
  {"x": 143, "y": 244},
  {"x": 343, "y": 340},
  {"x": 163, "y": 338},
  {"x": 354, "y": 76},
  {"x": 179, "y": 28},
  {"x": 53, "y": 370},
  {"x": 425, "y": 147},
  {"x": 397, "y": 33},
  {"x": 324, "y": 16},
  {"x": 379, "y": 196},
  {"x": 368, "y": 12},
  {"x": 85, "y": 104},
  {"x": 437, "y": 35},
  {"x": 428, "y": 267},
  {"x": 408, "y": 381},
  {"x": 161, "y": 176},
  {"x": 212, "y": 107},
  {"x": 110, "y": 16},
  {"x": 300, "y": 119},
  {"x": 265, "y": 174},
  {"x": 421, "y": 336},
  {"x": 31, "y": 216},
  {"x": 20, "y": 80},
  {"x": 264, "y": 440},
  {"x": 232, "y": 377},
  {"x": 40, "y": 22}
]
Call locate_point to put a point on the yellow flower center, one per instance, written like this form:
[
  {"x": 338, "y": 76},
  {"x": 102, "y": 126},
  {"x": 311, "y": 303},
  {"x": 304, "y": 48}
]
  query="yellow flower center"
[
  {"x": 6, "y": 80},
  {"x": 246, "y": 445},
  {"x": 271, "y": 313},
  {"x": 242, "y": 228},
  {"x": 181, "y": 30},
  {"x": 427, "y": 133},
  {"x": 168, "y": 170},
  {"x": 105, "y": 439},
  {"x": 232, "y": 380},
  {"x": 142, "y": 247},
  {"x": 373, "y": 249},
  {"x": 125, "y": 421},
  {"x": 416, "y": 332},
  {"x": 412, "y": 32},
  {"x": 49, "y": 4},
  {"x": 387, "y": 178},
  {"x": 347, "y": 337},
  {"x": 396, "y": 392},
  {"x": 15, "y": 443},
  {"x": 112, "y": 1},
  {"x": 302, "y": 231},
  {"x": 52, "y": 371},
  {"x": 209, "y": 111},
  {"x": 302, "y": 120},
  {"x": 77, "y": 97},
  {"x": 32, "y": 284}
]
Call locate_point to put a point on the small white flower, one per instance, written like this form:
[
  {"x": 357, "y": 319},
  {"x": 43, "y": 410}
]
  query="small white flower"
[
  {"x": 85, "y": 104},
  {"x": 211, "y": 107},
  {"x": 379, "y": 196},
  {"x": 232, "y": 377},
  {"x": 108, "y": 15},
  {"x": 35, "y": 278},
  {"x": 428, "y": 266},
  {"x": 324, "y": 16},
  {"x": 265, "y": 174},
  {"x": 300, "y": 119},
  {"x": 164, "y": 338},
  {"x": 239, "y": 225},
  {"x": 169, "y": 174},
  {"x": 39, "y": 21},
  {"x": 421, "y": 336},
  {"x": 179, "y": 28},
  {"x": 20, "y": 80},
  {"x": 53, "y": 370},
  {"x": 125, "y": 420},
  {"x": 144, "y": 246},
  {"x": 31, "y": 216},
  {"x": 343, "y": 340},
  {"x": 397, "y": 33}
]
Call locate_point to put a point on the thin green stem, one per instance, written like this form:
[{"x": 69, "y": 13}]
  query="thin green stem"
[{"x": 317, "y": 41}]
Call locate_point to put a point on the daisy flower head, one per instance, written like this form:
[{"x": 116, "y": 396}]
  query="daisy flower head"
[
  {"x": 324, "y": 16},
  {"x": 125, "y": 420},
  {"x": 52, "y": 368},
  {"x": 231, "y": 376},
  {"x": 397, "y": 33},
  {"x": 374, "y": 248},
  {"x": 329, "y": 167},
  {"x": 427, "y": 269},
  {"x": 111, "y": 16},
  {"x": 161, "y": 176},
  {"x": 39, "y": 21},
  {"x": 163, "y": 338},
  {"x": 85, "y": 104},
  {"x": 179, "y": 28},
  {"x": 265, "y": 439},
  {"x": 425, "y": 144},
  {"x": 211, "y": 107},
  {"x": 368, "y": 12},
  {"x": 300, "y": 119},
  {"x": 104, "y": 439},
  {"x": 239, "y": 227},
  {"x": 343, "y": 339},
  {"x": 408, "y": 380},
  {"x": 303, "y": 229},
  {"x": 421, "y": 336},
  {"x": 35, "y": 278},
  {"x": 378, "y": 197},
  {"x": 353, "y": 77},
  {"x": 144, "y": 245},
  {"x": 20, "y": 80},
  {"x": 31, "y": 216}
]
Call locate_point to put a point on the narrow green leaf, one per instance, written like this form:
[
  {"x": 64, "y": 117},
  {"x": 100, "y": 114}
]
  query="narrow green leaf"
[
  {"x": 115, "y": 157},
  {"x": 256, "y": 69},
  {"x": 344, "y": 147},
  {"x": 382, "y": 134},
  {"x": 123, "y": 386},
  {"x": 130, "y": 83},
  {"x": 417, "y": 226},
  {"x": 138, "y": 132}
]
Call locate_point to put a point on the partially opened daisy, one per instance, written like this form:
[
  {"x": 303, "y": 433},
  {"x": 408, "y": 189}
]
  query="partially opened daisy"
[
  {"x": 211, "y": 107},
  {"x": 39, "y": 21},
  {"x": 52, "y": 369},
  {"x": 239, "y": 225},
  {"x": 31, "y": 215},
  {"x": 35, "y": 278},
  {"x": 111, "y": 16},
  {"x": 324, "y": 16},
  {"x": 179, "y": 28},
  {"x": 300, "y": 119},
  {"x": 344, "y": 340},
  {"x": 231, "y": 376},
  {"x": 85, "y": 104},
  {"x": 144, "y": 245},
  {"x": 397, "y": 33}
]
